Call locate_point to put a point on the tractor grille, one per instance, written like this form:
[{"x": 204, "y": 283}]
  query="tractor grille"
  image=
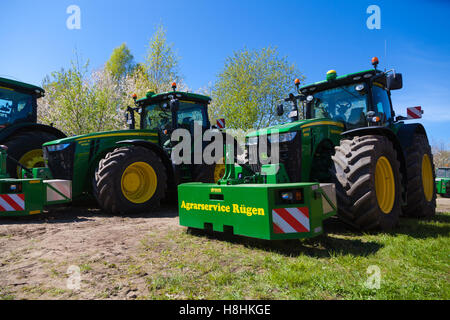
[
  {"x": 290, "y": 157},
  {"x": 60, "y": 162}
]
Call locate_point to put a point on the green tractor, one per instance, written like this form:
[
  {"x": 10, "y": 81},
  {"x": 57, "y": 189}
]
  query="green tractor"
[
  {"x": 443, "y": 182},
  {"x": 344, "y": 133},
  {"x": 130, "y": 171},
  {"x": 19, "y": 130}
]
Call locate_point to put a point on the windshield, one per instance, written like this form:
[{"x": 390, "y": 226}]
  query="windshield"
[
  {"x": 341, "y": 104},
  {"x": 15, "y": 107},
  {"x": 158, "y": 116},
  {"x": 443, "y": 173}
]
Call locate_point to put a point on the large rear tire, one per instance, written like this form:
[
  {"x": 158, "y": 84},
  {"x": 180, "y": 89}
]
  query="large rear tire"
[
  {"x": 421, "y": 189},
  {"x": 209, "y": 173},
  {"x": 130, "y": 180},
  {"x": 366, "y": 173},
  {"x": 26, "y": 147}
]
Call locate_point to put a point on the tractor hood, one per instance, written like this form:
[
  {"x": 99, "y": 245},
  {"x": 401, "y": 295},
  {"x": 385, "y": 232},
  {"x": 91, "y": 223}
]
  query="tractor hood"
[
  {"x": 294, "y": 126},
  {"x": 126, "y": 134}
]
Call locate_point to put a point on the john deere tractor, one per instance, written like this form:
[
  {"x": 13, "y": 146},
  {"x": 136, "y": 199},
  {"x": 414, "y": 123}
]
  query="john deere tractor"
[
  {"x": 443, "y": 182},
  {"x": 20, "y": 131},
  {"x": 342, "y": 132},
  {"x": 131, "y": 170}
]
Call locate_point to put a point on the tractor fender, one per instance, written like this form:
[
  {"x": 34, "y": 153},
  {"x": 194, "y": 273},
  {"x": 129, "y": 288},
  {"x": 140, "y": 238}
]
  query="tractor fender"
[
  {"x": 159, "y": 151},
  {"x": 406, "y": 133},
  {"x": 25, "y": 127},
  {"x": 396, "y": 142}
]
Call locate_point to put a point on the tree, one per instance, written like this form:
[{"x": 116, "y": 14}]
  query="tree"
[
  {"x": 121, "y": 62},
  {"x": 78, "y": 102},
  {"x": 161, "y": 63},
  {"x": 441, "y": 154},
  {"x": 157, "y": 72},
  {"x": 250, "y": 86}
]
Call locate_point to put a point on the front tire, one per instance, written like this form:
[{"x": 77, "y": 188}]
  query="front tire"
[
  {"x": 366, "y": 173},
  {"x": 26, "y": 147},
  {"x": 209, "y": 173},
  {"x": 130, "y": 180}
]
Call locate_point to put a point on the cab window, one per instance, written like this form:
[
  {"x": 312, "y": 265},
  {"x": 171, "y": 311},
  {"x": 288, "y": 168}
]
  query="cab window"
[
  {"x": 190, "y": 113},
  {"x": 15, "y": 107},
  {"x": 344, "y": 104},
  {"x": 381, "y": 102}
]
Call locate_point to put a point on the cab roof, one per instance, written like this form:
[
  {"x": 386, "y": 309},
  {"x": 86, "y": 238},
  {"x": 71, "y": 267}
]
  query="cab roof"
[
  {"x": 152, "y": 97},
  {"x": 21, "y": 86},
  {"x": 340, "y": 80}
]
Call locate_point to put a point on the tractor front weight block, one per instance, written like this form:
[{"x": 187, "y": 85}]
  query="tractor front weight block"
[
  {"x": 21, "y": 197},
  {"x": 264, "y": 211}
]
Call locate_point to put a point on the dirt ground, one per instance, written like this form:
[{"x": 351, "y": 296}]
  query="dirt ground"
[
  {"x": 38, "y": 253},
  {"x": 443, "y": 204}
]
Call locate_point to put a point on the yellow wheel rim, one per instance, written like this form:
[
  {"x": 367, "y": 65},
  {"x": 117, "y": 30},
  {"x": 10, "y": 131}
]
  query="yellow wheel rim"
[
  {"x": 384, "y": 185},
  {"x": 139, "y": 182},
  {"x": 219, "y": 172},
  {"x": 31, "y": 159},
  {"x": 427, "y": 177}
]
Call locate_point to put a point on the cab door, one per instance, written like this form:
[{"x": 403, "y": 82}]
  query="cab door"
[{"x": 381, "y": 103}]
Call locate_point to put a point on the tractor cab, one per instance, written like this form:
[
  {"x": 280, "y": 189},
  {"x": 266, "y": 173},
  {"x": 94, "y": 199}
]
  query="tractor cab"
[
  {"x": 18, "y": 102},
  {"x": 168, "y": 111},
  {"x": 357, "y": 100},
  {"x": 443, "y": 173},
  {"x": 442, "y": 182}
]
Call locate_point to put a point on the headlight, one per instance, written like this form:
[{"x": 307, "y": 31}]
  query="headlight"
[
  {"x": 284, "y": 137},
  {"x": 57, "y": 147},
  {"x": 252, "y": 141}
]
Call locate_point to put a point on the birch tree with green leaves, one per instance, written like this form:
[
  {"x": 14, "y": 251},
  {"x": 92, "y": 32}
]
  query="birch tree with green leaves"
[
  {"x": 121, "y": 62},
  {"x": 161, "y": 63},
  {"x": 251, "y": 85},
  {"x": 159, "y": 69},
  {"x": 80, "y": 102}
]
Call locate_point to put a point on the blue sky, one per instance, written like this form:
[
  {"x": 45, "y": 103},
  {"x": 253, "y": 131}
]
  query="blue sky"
[{"x": 316, "y": 35}]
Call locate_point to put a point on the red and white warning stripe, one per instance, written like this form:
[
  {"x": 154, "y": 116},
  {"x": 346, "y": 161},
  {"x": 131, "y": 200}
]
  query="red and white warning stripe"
[
  {"x": 220, "y": 123},
  {"x": 12, "y": 202},
  {"x": 290, "y": 220},
  {"x": 414, "y": 112}
]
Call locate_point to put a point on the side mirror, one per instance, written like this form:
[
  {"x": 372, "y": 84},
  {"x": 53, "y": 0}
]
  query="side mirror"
[
  {"x": 280, "y": 110},
  {"x": 394, "y": 81},
  {"x": 174, "y": 105},
  {"x": 129, "y": 118}
]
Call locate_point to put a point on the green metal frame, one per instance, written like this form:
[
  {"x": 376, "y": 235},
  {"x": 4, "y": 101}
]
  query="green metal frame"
[{"x": 21, "y": 197}]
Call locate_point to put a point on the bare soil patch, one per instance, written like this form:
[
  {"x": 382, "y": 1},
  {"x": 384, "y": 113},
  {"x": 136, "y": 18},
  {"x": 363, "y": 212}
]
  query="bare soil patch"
[
  {"x": 36, "y": 252},
  {"x": 443, "y": 204}
]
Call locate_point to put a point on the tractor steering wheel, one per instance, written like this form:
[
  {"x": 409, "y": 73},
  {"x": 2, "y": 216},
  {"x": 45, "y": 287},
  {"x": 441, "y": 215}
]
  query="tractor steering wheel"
[{"x": 343, "y": 106}]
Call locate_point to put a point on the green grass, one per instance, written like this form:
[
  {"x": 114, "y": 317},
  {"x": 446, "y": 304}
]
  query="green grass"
[{"x": 413, "y": 261}]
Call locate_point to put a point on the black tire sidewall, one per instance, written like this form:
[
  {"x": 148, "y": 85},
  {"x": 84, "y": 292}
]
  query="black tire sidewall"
[
  {"x": 120, "y": 203},
  {"x": 353, "y": 173},
  {"x": 21, "y": 143},
  {"x": 417, "y": 205}
]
